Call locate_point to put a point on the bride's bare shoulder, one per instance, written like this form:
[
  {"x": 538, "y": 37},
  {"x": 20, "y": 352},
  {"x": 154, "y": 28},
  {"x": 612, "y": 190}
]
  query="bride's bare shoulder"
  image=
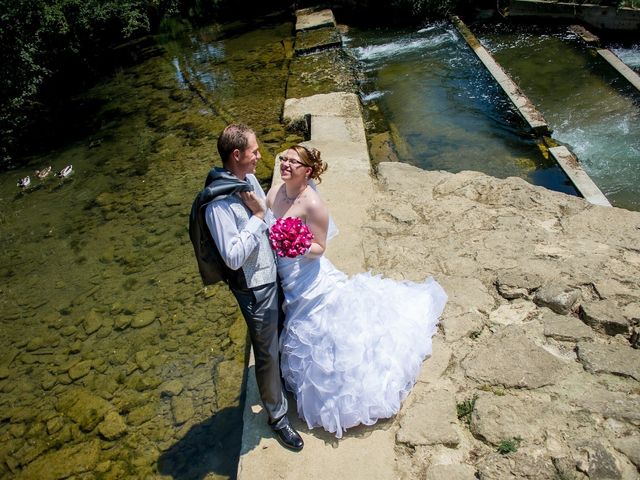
[{"x": 314, "y": 202}]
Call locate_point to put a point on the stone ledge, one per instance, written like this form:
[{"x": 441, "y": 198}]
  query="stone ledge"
[{"x": 310, "y": 18}]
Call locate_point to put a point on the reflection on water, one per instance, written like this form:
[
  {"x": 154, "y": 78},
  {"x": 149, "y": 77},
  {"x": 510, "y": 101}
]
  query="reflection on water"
[
  {"x": 590, "y": 107},
  {"x": 444, "y": 110},
  {"x": 113, "y": 359}
]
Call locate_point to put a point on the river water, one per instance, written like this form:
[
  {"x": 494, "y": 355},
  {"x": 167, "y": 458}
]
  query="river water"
[
  {"x": 591, "y": 108},
  {"x": 446, "y": 112},
  {"x": 113, "y": 358}
]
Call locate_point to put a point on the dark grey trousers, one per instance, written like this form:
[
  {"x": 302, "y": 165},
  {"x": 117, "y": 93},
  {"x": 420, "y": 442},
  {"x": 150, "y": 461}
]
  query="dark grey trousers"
[{"x": 260, "y": 307}]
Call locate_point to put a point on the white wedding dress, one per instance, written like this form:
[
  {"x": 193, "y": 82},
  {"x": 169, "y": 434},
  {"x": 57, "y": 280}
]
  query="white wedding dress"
[{"x": 352, "y": 348}]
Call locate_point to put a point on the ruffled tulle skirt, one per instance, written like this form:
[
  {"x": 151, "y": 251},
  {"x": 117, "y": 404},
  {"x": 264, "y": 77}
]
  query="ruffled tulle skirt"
[{"x": 352, "y": 348}]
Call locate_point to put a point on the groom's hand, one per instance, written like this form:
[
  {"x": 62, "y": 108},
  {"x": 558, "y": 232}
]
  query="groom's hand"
[{"x": 253, "y": 203}]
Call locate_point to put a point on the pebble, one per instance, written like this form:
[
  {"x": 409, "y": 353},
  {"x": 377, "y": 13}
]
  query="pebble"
[
  {"x": 92, "y": 322},
  {"x": 143, "y": 319},
  {"x": 68, "y": 330},
  {"x": 171, "y": 388},
  {"x": 80, "y": 369},
  {"x": 49, "y": 382},
  {"x": 122, "y": 322},
  {"x": 35, "y": 343},
  {"x": 113, "y": 426},
  {"x": 54, "y": 425},
  {"x": 182, "y": 409}
]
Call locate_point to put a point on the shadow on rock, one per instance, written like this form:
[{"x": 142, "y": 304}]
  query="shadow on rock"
[{"x": 212, "y": 446}]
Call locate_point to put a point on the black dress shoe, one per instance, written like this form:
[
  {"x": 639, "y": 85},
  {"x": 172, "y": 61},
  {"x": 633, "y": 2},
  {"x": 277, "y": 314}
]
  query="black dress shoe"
[{"x": 289, "y": 437}]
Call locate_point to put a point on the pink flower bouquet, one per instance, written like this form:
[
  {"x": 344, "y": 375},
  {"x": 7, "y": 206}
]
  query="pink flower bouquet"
[{"x": 290, "y": 237}]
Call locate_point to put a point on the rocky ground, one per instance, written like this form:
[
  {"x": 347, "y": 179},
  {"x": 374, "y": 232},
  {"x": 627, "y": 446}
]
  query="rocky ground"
[{"x": 534, "y": 373}]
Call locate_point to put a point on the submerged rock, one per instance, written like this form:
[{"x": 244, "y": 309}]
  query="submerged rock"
[
  {"x": 142, "y": 414},
  {"x": 80, "y": 369},
  {"x": 92, "y": 322},
  {"x": 54, "y": 425},
  {"x": 144, "y": 318},
  {"x": 182, "y": 409},
  {"x": 171, "y": 388},
  {"x": 84, "y": 408},
  {"x": 122, "y": 322},
  {"x": 36, "y": 343},
  {"x": 113, "y": 426}
]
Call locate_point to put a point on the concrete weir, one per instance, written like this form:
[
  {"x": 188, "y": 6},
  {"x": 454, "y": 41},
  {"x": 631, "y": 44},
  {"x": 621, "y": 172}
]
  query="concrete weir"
[
  {"x": 621, "y": 67},
  {"x": 316, "y": 30},
  {"x": 569, "y": 163},
  {"x": 337, "y": 130},
  {"x": 529, "y": 112},
  {"x": 567, "y": 160}
]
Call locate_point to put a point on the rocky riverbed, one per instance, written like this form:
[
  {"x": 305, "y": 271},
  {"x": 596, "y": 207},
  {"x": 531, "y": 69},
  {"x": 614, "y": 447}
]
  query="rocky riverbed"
[{"x": 534, "y": 372}]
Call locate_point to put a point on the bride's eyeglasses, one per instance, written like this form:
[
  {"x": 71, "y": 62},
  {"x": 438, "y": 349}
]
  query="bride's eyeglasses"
[{"x": 291, "y": 161}]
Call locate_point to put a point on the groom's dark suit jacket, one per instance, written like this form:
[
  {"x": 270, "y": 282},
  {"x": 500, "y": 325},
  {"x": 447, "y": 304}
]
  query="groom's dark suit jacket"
[{"x": 212, "y": 268}]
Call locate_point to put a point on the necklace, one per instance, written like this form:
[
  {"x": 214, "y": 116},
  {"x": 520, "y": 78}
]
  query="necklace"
[{"x": 288, "y": 199}]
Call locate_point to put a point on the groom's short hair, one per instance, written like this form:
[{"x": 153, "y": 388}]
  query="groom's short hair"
[{"x": 233, "y": 136}]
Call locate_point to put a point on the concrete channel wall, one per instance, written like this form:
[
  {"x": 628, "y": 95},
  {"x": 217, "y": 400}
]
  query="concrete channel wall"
[
  {"x": 534, "y": 119},
  {"x": 632, "y": 77},
  {"x": 605, "y": 17}
]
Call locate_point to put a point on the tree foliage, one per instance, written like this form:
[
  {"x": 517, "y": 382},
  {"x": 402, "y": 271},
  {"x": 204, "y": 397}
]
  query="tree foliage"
[{"x": 45, "y": 40}]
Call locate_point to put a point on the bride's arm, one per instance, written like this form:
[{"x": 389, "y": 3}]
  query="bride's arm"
[
  {"x": 271, "y": 195},
  {"x": 318, "y": 222}
]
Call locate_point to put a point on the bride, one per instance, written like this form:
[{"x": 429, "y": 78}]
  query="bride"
[{"x": 351, "y": 348}]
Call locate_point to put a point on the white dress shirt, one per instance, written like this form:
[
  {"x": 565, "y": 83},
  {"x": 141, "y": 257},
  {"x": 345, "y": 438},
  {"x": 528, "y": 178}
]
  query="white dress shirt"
[{"x": 236, "y": 245}]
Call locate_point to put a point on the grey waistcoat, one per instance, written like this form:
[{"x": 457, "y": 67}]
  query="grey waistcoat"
[{"x": 260, "y": 266}]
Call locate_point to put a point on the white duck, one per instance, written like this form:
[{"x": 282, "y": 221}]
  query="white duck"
[
  {"x": 24, "y": 182},
  {"x": 43, "y": 173},
  {"x": 65, "y": 172}
]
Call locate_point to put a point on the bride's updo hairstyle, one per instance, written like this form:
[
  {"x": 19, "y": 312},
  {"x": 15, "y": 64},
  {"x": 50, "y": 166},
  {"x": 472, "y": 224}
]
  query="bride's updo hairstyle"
[{"x": 311, "y": 158}]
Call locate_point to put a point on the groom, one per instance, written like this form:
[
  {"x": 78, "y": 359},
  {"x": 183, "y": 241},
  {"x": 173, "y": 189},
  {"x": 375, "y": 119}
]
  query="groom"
[{"x": 236, "y": 220}]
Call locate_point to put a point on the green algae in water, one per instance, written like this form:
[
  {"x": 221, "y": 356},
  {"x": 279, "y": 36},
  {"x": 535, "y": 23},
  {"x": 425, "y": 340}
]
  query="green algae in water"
[
  {"x": 89, "y": 259},
  {"x": 309, "y": 40}
]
